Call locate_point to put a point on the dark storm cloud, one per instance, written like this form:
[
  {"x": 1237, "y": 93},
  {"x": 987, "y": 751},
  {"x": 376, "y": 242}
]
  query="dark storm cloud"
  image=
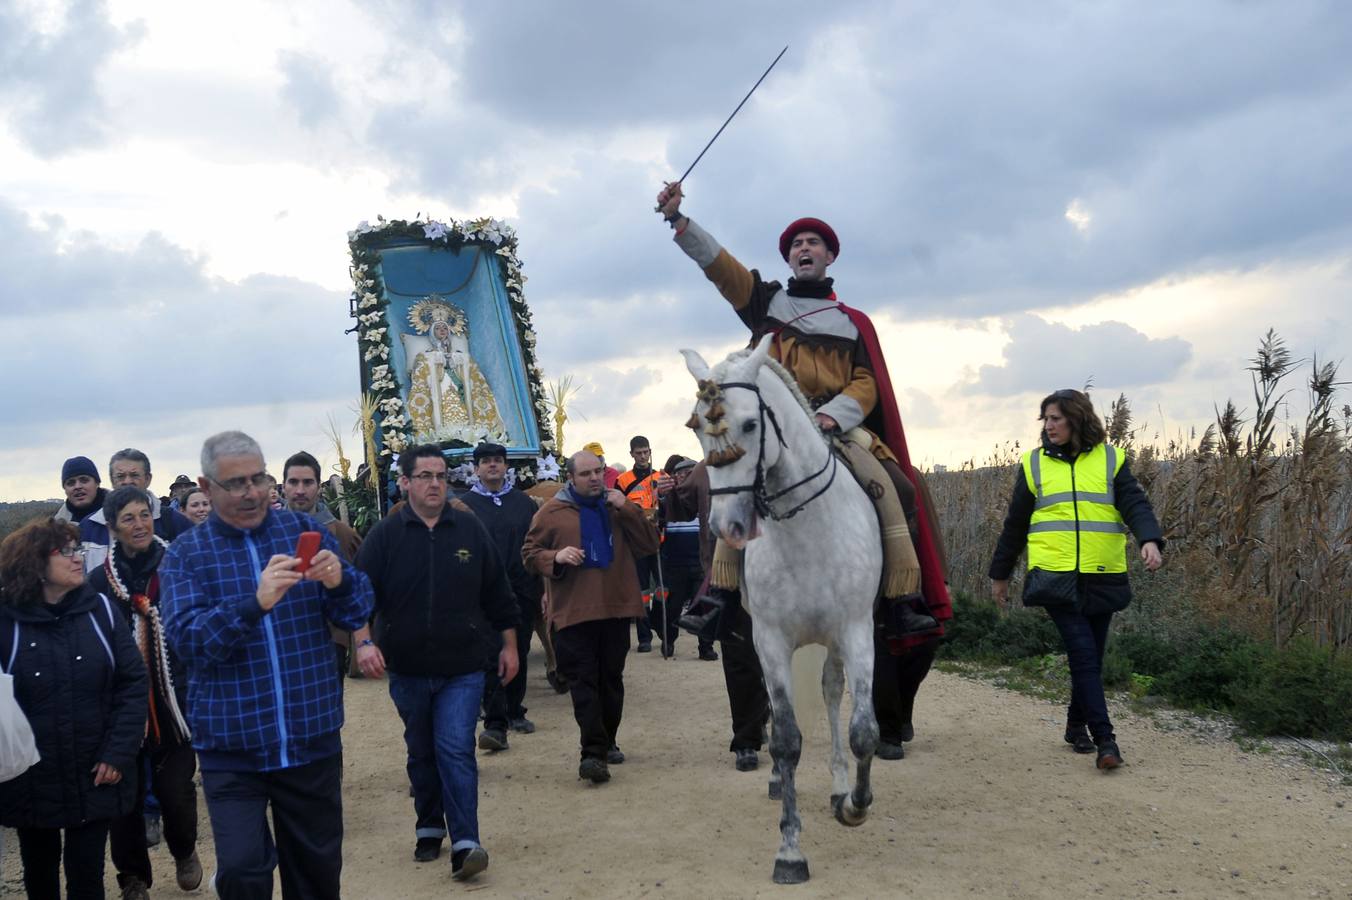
[{"x": 944, "y": 142}]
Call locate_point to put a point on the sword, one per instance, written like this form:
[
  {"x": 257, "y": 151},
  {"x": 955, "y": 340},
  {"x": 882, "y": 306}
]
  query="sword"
[{"x": 726, "y": 121}]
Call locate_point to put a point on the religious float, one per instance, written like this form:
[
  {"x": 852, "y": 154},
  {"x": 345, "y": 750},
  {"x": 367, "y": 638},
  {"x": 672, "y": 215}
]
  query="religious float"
[{"x": 445, "y": 346}]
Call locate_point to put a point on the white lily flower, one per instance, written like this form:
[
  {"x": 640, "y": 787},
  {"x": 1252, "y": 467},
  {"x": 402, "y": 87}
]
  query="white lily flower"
[{"x": 434, "y": 231}]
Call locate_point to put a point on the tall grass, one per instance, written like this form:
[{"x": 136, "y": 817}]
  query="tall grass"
[{"x": 1257, "y": 513}]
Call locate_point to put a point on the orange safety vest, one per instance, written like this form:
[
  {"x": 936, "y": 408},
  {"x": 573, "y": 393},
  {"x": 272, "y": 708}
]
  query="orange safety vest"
[{"x": 644, "y": 492}]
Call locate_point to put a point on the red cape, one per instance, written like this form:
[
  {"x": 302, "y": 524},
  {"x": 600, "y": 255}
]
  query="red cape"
[{"x": 885, "y": 421}]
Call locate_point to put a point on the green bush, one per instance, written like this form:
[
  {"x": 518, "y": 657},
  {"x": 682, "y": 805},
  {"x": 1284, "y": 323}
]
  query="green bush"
[
  {"x": 1303, "y": 691},
  {"x": 1209, "y": 667},
  {"x": 1300, "y": 690},
  {"x": 1143, "y": 652},
  {"x": 1117, "y": 667},
  {"x": 979, "y": 630}
]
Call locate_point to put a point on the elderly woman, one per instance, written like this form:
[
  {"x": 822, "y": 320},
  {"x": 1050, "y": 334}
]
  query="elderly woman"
[
  {"x": 82, "y": 685},
  {"x": 130, "y": 577},
  {"x": 196, "y": 505},
  {"x": 1074, "y": 501}
]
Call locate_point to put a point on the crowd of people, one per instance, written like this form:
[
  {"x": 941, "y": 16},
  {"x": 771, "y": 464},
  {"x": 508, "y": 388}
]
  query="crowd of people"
[{"x": 209, "y": 632}]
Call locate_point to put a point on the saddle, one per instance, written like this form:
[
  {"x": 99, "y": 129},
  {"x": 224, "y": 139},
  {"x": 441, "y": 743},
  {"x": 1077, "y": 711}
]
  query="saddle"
[{"x": 901, "y": 566}]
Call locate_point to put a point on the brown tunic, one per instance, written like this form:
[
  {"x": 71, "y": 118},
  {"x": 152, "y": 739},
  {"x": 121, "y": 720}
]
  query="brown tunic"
[
  {"x": 815, "y": 340},
  {"x": 578, "y": 594}
]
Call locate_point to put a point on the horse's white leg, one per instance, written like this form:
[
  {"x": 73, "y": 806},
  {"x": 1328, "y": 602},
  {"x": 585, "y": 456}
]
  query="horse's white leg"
[
  {"x": 786, "y": 746},
  {"x": 833, "y": 685},
  {"x": 858, "y": 652}
]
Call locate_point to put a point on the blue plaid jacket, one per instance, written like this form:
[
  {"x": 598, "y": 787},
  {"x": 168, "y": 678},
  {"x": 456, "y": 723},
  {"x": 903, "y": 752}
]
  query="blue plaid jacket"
[{"x": 263, "y": 691}]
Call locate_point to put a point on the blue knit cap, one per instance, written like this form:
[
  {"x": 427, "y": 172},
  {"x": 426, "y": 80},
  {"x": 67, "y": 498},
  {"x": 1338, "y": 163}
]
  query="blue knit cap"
[{"x": 79, "y": 465}]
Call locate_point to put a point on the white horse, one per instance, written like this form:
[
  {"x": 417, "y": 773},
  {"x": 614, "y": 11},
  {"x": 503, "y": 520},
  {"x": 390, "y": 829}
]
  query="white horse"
[{"x": 811, "y": 569}]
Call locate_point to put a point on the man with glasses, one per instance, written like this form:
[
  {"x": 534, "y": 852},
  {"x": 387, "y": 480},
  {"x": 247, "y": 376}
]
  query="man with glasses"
[
  {"x": 445, "y": 613},
  {"x": 128, "y": 467},
  {"x": 252, "y": 629}
]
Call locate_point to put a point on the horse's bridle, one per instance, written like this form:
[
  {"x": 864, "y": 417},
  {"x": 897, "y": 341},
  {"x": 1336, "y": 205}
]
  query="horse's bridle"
[{"x": 759, "y": 495}]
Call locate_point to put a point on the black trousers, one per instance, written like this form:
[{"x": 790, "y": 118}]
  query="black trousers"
[
  {"x": 896, "y": 680},
  {"x": 502, "y": 703},
  {"x": 42, "y": 854},
  {"x": 171, "y": 770},
  {"x": 307, "y": 811},
  {"x": 747, "y": 699},
  {"x": 591, "y": 656}
]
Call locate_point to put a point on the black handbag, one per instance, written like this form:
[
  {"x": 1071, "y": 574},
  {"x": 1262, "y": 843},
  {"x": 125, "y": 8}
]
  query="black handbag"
[{"x": 1044, "y": 588}]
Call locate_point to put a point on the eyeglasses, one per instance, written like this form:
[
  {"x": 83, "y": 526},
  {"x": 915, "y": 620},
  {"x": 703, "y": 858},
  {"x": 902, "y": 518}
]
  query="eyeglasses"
[
  {"x": 239, "y": 487},
  {"x": 69, "y": 552},
  {"x": 429, "y": 477}
]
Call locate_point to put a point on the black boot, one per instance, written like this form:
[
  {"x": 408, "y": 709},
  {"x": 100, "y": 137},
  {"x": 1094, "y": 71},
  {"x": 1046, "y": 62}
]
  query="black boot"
[{"x": 903, "y": 617}]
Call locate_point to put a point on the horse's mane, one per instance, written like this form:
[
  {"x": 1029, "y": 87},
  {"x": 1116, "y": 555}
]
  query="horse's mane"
[{"x": 774, "y": 366}]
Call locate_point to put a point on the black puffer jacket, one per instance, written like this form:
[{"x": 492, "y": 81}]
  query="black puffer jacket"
[{"x": 80, "y": 681}]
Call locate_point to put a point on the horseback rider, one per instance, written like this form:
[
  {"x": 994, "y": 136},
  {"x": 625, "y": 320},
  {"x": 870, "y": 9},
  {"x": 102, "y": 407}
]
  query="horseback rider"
[{"x": 833, "y": 353}]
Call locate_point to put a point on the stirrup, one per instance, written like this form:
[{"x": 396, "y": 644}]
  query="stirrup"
[{"x": 701, "y": 623}]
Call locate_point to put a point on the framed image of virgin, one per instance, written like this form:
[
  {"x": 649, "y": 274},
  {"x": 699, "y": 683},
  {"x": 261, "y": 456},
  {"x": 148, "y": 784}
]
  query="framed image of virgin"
[{"x": 447, "y": 352}]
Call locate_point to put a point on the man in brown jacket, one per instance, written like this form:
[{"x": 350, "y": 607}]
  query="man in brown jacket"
[{"x": 584, "y": 542}]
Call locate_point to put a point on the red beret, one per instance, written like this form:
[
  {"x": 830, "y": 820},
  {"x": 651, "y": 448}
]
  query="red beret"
[{"x": 808, "y": 224}]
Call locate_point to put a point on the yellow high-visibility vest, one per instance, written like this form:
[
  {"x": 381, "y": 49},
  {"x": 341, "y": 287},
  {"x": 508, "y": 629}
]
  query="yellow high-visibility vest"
[{"x": 1075, "y": 525}]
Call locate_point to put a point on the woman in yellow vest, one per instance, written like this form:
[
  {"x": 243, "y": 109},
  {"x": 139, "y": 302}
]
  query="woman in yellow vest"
[{"x": 1074, "y": 501}]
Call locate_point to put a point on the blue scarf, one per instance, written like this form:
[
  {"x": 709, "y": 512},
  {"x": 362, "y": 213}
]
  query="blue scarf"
[{"x": 594, "y": 517}]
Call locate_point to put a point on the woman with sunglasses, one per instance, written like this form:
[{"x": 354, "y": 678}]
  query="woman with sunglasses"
[
  {"x": 81, "y": 683},
  {"x": 1074, "y": 502},
  {"x": 130, "y": 577}
]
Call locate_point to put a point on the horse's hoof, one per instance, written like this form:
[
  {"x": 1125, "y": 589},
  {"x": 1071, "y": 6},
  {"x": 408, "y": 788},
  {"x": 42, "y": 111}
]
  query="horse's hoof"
[
  {"x": 776, "y": 790},
  {"x": 845, "y": 811},
  {"x": 790, "y": 871}
]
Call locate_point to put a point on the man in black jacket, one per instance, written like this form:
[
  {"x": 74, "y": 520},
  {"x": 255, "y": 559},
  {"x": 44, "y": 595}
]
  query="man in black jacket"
[
  {"x": 506, "y": 512},
  {"x": 442, "y": 605}
]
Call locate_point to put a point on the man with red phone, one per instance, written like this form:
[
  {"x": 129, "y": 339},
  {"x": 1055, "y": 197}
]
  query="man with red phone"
[{"x": 251, "y": 625}]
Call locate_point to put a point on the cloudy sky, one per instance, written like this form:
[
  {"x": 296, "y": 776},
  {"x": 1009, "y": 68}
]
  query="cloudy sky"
[{"x": 1029, "y": 196}]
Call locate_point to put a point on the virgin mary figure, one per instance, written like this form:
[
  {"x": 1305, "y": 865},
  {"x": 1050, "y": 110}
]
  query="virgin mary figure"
[{"x": 449, "y": 398}]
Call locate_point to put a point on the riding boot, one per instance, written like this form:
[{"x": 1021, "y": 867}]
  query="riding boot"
[{"x": 903, "y": 616}]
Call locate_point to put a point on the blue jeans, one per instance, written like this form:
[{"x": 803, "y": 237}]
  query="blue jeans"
[
  {"x": 440, "y": 716},
  {"x": 1085, "y": 638}
]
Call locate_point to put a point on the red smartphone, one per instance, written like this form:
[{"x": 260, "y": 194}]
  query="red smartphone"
[{"x": 306, "y": 548}]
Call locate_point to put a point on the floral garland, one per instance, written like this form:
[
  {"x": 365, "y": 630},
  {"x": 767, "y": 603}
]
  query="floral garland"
[{"x": 372, "y": 313}]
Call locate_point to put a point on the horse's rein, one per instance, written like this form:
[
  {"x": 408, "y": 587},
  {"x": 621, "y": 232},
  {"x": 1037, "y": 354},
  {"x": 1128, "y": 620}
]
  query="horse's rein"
[{"x": 761, "y": 499}]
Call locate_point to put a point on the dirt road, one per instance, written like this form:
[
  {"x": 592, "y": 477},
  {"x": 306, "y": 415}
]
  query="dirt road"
[{"x": 988, "y": 802}]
